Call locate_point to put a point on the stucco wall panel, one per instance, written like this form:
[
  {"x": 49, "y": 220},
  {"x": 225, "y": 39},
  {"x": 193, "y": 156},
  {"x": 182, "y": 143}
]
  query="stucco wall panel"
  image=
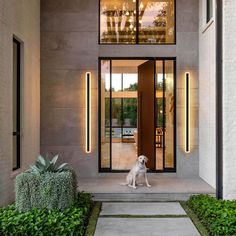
[
  {"x": 229, "y": 98},
  {"x": 22, "y": 19},
  {"x": 70, "y": 43}
]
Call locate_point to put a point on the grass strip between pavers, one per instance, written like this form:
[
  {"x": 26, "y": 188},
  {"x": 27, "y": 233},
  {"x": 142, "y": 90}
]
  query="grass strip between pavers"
[
  {"x": 200, "y": 227},
  {"x": 93, "y": 219},
  {"x": 143, "y": 216}
]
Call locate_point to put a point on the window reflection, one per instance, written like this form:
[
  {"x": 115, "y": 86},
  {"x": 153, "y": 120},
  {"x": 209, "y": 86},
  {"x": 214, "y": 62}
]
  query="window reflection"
[
  {"x": 105, "y": 114},
  {"x": 156, "y": 21},
  {"x": 169, "y": 120},
  {"x": 118, "y": 21}
]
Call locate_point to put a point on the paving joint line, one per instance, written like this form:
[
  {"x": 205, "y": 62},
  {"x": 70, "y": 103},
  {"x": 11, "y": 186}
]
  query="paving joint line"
[{"x": 143, "y": 216}]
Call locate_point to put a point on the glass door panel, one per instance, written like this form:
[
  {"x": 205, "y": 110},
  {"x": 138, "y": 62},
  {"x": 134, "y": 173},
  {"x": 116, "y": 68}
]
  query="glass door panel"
[
  {"x": 105, "y": 109},
  {"x": 137, "y": 114},
  {"x": 124, "y": 114},
  {"x": 169, "y": 114},
  {"x": 159, "y": 116}
]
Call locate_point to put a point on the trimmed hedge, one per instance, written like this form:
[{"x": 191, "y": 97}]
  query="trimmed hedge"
[
  {"x": 219, "y": 216},
  {"x": 55, "y": 191},
  {"x": 71, "y": 221}
]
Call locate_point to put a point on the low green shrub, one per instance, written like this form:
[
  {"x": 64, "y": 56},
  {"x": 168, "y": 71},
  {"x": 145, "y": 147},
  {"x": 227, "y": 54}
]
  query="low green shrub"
[
  {"x": 219, "y": 216},
  {"x": 71, "y": 221},
  {"x": 51, "y": 190}
]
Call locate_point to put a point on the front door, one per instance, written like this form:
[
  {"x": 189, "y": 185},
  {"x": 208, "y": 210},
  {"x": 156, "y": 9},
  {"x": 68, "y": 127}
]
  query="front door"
[
  {"x": 146, "y": 112},
  {"x": 137, "y": 114}
]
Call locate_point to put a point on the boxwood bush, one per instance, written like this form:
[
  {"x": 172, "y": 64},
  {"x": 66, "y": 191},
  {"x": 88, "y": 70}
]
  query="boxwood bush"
[
  {"x": 71, "y": 221},
  {"x": 51, "y": 190},
  {"x": 219, "y": 216}
]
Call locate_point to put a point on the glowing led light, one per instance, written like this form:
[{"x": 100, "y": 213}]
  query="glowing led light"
[
  {"x": 127, "y": 13},
  {"x": 141, "y": 5},
  {"x": 88, "y": 112},
  {"x": 187, "y": 112}
]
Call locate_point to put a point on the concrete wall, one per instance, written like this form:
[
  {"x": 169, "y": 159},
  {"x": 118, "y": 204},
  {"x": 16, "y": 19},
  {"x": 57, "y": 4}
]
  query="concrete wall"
[
  {"x": 69, "y": 48},
  {"x": 207, "y": 86},
  {"x": 22, "y": 19},
  {"x": 229, "y": 100}
]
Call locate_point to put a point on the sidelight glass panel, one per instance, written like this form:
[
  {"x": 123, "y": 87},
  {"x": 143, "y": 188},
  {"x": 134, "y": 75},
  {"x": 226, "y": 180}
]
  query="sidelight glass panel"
[
  {"x": 118, "y": 21},
  {"x": 159, "y": 116},
  {"x": 105, "y": 114},
  {"x": 169, "y": 111},
  {"x": 156, "y": 21}
]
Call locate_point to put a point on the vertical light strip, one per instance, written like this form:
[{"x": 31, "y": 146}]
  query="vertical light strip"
[
  {"x": 187, "y": 112},
  {"x": 88, "y": 112}
]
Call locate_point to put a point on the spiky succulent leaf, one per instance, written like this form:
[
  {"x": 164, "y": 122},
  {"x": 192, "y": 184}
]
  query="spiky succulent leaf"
[
  {"x": 41, "y": 160},
  {"x": 61, "y": 167},
  {"x": 54, "y": 159},
  {"x": 33, "y": 168},
  {"x": 43, "y": 165}
]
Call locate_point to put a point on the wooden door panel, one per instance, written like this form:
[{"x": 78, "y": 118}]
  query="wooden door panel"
[{"x": 146, "y": 112}]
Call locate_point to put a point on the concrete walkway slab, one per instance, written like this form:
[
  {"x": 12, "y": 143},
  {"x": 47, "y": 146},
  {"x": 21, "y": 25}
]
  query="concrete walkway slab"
[
  {"x": 145, "y": 226},
  {"x": 165, "y": 187},
  {"x": 142, "y": 208}
]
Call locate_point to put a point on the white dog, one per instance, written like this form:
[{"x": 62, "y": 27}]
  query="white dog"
[{"x": 138, "y": 170}]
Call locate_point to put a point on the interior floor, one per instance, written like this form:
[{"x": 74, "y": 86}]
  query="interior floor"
[{"x": 124, "y": 155}]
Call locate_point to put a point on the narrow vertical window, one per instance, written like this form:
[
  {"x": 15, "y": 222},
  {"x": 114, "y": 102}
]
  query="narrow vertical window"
[
  {"x": 16, "y": 103},
  {"x": 209, "y": 10}
]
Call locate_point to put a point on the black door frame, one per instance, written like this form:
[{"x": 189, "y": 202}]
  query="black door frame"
[{"x": 109, "y": 170}]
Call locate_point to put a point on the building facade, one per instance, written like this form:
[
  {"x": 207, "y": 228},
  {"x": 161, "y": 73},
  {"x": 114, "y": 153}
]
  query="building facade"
[{"x": 96, "y": 111}]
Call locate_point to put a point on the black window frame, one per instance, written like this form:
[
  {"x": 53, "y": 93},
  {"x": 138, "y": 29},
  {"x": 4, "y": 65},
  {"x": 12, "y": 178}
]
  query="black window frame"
[
  {"x": 17, "y": 132},
  {"x": 137, "y": 28},
  {"x": 109, "y": 169}
]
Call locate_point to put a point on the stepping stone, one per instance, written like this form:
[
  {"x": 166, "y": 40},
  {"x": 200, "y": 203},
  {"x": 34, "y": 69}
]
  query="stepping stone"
[
  {"x": 141, "y": 208},
  {"x": 145, "y": 226}
]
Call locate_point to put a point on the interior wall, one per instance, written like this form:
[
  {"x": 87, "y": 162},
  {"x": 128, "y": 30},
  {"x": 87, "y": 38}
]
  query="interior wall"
[
  {"x": 69, "y": 48},
  {"x": 20, "y": 18},
  {"x": 207, "y": 105}
]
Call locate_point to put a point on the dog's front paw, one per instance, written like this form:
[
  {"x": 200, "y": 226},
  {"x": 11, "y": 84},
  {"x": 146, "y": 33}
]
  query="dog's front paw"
[
  {"x": 148, "y": 185},
  {"x": 134, "y": 187}
]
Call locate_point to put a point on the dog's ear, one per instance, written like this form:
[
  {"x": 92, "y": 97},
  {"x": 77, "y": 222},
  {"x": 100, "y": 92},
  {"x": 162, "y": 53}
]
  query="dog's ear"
[{"x": 146, "y": 159}]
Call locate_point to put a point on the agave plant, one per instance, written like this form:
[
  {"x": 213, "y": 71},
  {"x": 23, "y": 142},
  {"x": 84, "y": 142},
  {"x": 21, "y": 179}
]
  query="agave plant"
[{"x": 43, "y": 165}]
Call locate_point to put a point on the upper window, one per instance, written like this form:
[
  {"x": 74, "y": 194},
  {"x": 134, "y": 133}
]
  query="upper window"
[
  {"x": 137, "y": 22},
  {"x": 209, "y": 10}
]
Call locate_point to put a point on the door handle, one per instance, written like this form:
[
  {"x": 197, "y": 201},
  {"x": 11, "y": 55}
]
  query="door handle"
[{"x": 16, "y": 133}]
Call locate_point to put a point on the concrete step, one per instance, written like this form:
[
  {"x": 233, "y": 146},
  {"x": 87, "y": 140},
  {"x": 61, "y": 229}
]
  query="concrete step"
[{"x": 143, "y": 197}]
